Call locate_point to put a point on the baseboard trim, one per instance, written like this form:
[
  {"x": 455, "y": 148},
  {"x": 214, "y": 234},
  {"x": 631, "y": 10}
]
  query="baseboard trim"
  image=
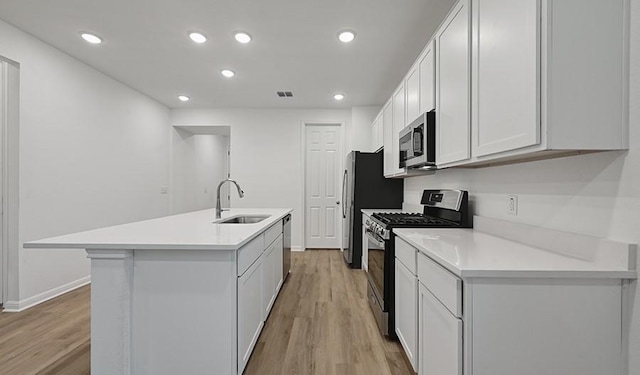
[
  {"x": 18, "y": 306},
  {"x": 296, "y": 248}
]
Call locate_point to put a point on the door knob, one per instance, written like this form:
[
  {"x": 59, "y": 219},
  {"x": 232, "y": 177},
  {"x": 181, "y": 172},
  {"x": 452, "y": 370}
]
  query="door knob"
[{"x": 337, "y": 202}]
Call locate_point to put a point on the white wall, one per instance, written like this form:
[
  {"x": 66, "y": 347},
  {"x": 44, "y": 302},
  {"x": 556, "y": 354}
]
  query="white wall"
[
  {"x": 596, "y": 194},
  {"x": 267, "y": 153},
  {"x": 361, "y": 130},
  {"x": 93, "y": 153},
  {"x": 199, "y": 163}
]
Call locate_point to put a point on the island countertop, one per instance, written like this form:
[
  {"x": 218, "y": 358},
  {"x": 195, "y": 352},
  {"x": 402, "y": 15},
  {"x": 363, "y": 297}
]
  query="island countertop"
[{"x": 198, "y": 230}]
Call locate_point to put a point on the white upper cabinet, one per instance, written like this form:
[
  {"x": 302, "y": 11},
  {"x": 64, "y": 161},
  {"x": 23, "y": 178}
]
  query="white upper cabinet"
[
  {"x": 453, "y": 45},
  {"x": 377, "y": 133},
  {"x": 387, "y": 127},
  {"x": 413, "y": 94},
  {"x": 549, "y": 78},
  {"x": 399, "y": 122},
  {"x": 506, "y": 70},
  {"x": 519, "y": 80},
  {"x": 427, "y": 68}
]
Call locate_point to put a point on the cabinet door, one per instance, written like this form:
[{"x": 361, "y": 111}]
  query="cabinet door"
[
  {"x": 399, "y": 122},
  {"x": 278, "y": 253},
  {"x": 374, "y": 134},
  {"x": 440, "y": 337},
  {"x": 271, "y": 276},
  {"x": 506, "y": 75},
  {"x": 413, "y": 93},
  {"x": 427, "y": 67},
  {"x": 380, "y": 136},
  {"x": 406, "y": 305},
  {"x": 387, "y": 123},
  {"x": 250, "y": 311},
  {"x": 453, "y": 83}
]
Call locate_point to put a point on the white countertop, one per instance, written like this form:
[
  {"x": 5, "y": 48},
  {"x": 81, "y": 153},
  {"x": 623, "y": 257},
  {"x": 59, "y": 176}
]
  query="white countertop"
[
  {"x": 470, "y": 253},
  {"x": 190, "y": 231}
]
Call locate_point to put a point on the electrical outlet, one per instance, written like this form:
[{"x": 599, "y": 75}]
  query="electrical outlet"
[
  {"x": 512, "y": 207},
  {"x": 164, "y": 189}
]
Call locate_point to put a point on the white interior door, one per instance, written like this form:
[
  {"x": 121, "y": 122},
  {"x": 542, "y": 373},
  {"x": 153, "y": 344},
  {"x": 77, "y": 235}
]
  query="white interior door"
[{"x": 323, "y": 186}]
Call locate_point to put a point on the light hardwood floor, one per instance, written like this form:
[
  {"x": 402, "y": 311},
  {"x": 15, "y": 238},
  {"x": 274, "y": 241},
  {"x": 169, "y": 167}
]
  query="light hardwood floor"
[{"x": 320, "y": 324}]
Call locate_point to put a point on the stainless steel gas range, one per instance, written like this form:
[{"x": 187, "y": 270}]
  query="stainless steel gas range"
[{"x": 442, "y": 209}]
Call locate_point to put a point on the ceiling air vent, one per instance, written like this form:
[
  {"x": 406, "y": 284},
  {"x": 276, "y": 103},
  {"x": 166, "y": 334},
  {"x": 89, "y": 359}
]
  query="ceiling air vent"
[{"x": 285, "y": 94}]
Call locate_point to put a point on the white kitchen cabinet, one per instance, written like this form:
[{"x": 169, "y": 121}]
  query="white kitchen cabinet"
[
  {"x": 522, "y": 317},
  {"x": 377, "y": 133},
  {"x": 412, "y": 83},
  {"x": 406, "y": 316},
  {"x": 453, "y": 47},
  {"x": 399, "y": 122},
  {"x": 506, "y": 106},
  {"x": 272, "y": 275},
  {"x": 258, "y": 288},
  {"x": 549, "y": 78},
  {"x": 440, "y": 335},
  {"x": 387, "y": 123},
  {"x": 250, "y": 311},
  {"x": 427, "y": 68}
]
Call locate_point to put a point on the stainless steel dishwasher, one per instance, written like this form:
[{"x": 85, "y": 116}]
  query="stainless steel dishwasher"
[{"x": 286, "y": 256}]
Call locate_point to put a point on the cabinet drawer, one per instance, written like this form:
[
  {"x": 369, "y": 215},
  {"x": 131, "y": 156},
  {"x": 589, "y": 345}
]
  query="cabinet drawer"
[
  {"x": 248, "y": 253},
  {"x": 272, "y": 233},
  {"x": 406, "y": 254},
  {"x": 444, "y": 285}
]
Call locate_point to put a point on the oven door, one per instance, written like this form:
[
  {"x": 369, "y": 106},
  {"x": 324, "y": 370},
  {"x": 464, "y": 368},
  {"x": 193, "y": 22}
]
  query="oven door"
[{"x": 375, "y": 264}]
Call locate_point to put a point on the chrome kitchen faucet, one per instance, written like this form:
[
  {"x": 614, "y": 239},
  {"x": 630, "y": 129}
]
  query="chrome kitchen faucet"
[{"x": 240, "y": 193}]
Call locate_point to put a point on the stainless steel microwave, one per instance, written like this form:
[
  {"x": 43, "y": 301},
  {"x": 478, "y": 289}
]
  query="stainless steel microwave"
[{"x": 417, "y": 142}]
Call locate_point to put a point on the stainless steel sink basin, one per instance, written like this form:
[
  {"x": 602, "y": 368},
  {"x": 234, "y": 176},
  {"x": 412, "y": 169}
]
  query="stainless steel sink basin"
[{"x": 248, "y": 219}]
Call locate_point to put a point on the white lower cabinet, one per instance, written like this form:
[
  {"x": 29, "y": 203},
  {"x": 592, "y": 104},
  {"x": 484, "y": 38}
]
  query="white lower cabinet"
[
  {"x": 440, "y": 335},
  {"x": 250, "y": 312},
  {"x": 406, "y": 317},
  {"x": 258, "y": 288},
  {"x": 272, "y": 275},
  {"x": 509, "y": 325}
]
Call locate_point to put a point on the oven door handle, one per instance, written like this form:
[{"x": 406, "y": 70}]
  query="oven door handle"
[{"x": 374, "y": 238}]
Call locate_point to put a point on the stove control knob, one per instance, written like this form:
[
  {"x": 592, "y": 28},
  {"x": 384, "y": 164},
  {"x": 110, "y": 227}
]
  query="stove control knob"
[
  {"x": 367, "y": 222},
  {"x": 382, "y": 232}
]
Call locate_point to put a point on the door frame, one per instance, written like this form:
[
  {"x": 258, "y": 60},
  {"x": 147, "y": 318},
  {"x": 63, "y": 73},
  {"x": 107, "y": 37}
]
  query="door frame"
[
  {"x": 3, "y": 120},
  {"x": 9, "y": 184},
  {"x": 303, "y": 137}
]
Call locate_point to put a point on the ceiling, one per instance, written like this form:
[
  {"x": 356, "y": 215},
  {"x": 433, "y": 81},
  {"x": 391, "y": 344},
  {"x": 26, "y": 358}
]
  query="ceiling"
[{"x": 294, "y": 47}]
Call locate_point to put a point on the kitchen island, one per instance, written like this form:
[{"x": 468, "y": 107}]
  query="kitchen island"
[{"x": 183, "y": 294}]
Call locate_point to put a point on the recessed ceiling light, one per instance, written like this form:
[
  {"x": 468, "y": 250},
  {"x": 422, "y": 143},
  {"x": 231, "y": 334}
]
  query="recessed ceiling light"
[
  {"x": 242, "y": 37},
  {"x": 346, "y": 36},
  {"x": 91, "y": 38},
  {"x": 338, "y": 96},
  {"x": 183, "y": 98},
  {"x": 197, "y": 37},
  {"x": 228, "y": 73}
]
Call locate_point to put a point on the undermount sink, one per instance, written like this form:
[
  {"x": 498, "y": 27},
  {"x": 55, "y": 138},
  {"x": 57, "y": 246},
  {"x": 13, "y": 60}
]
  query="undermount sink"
[{"x": 248, "y": 219}]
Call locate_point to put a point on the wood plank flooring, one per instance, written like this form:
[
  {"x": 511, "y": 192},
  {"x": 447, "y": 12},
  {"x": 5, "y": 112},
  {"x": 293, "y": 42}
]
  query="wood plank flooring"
[
  {"x": 320, "y": 324},
  {"x": 51, "y": 338}
]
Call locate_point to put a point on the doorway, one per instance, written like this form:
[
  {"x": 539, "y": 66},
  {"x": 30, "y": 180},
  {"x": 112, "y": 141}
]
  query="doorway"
[
  {"x": 324, "y": 158},
  {"x": 199, "y": 161}
]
